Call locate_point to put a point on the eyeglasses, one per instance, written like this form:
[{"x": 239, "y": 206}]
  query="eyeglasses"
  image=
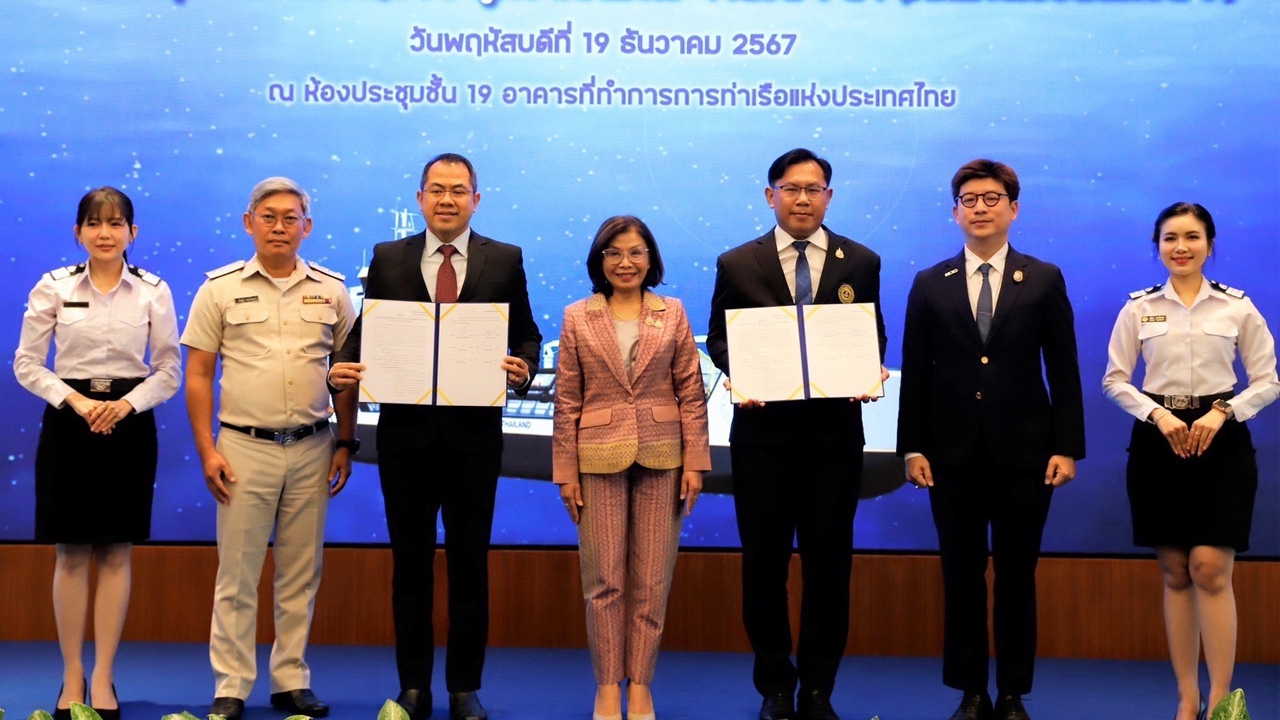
[
  {"x": 268, "y": 220},
  {"x": 990, "y": 199},
  {"x": 635, "y": 255},
  {"x": 791, "y": 192},
  {"x": 457, "y": 193}
]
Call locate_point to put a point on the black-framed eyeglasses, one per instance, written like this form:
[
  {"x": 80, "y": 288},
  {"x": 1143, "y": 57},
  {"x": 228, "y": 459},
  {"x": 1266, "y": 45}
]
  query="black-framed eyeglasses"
[
  {"x": 793, "y": 192},
  {"x": 635, "y": 255},
  {"x": 990, "y": 199},
  {"x": 269, "y": 220}
]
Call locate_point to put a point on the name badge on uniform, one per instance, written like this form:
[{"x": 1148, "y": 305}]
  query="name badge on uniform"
[
  {"x": 76, "y": 304},
  {"x": 1154, "y": 318},
  {"x": 317, "y": 300},
  {"x": 247, "y": 299}
]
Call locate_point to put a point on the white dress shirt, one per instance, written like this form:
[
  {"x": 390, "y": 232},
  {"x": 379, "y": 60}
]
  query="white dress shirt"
[
  {"x": 1190, "y": 350},
  {"x": 99, "y": 335},
  {"x": 972, "y": 263},
  {"x": 432, "y": 259},
  {"x": 816, "y": 252}
]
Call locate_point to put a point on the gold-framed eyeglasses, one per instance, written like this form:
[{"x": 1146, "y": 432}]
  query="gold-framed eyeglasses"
[
  {"x": 635, "y": 255},
  {"x": 793, "y": 192},
  {"x": 990, "y": 199},
  {"x": 269, "y": 220},
  {"x": 458, "y": 193}
]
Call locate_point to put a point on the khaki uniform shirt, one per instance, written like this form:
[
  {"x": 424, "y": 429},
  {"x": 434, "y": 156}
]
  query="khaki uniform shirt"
[{"x": 275, "y": 341}]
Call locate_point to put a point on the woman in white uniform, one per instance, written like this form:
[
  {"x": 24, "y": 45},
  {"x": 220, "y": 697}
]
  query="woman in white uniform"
[
  {"x": 1192, "y": 474},
  {"x": 96, "y": 458}
]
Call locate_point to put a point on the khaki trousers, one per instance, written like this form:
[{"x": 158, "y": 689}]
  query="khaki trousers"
[
  {"x": 284, "y": 487},
  {"x": 628, "y": 536}
]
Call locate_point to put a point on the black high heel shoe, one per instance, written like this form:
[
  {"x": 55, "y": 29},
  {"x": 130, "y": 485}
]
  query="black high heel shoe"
[
  {"x": 114, "y": 713},
  {"x": 65, "y": 713},
  {"x": 1202, "y": 715}
]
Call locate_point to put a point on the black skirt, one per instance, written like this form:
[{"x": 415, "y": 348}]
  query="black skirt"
[
  {"x": 1205, "y": 500},
  {"x": 91, "y": 488}
]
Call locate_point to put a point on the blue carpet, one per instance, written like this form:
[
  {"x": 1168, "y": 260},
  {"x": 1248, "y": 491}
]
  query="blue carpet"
[{"x": 531, "y": 684}]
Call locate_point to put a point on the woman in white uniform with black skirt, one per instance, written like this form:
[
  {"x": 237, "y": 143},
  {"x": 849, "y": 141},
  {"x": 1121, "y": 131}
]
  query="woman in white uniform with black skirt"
[
  {"x": 1192, "y": 473},
  {"x": 96, "y": 459}
]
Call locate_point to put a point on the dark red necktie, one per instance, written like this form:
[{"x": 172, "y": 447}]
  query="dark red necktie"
[{"x": 447, "y": 278}]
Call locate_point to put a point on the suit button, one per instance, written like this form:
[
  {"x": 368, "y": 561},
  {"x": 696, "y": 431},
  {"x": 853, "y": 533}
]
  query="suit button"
[
  {"x": 978, "y": 394},
  {"x": 985, "y": 360},
  {"x": 630, "y": 400}
]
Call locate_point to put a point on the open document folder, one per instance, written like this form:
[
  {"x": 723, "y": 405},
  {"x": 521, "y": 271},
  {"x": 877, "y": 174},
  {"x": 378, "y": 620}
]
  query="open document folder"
[
  {"x": 434, "y": 354},
  {"x": 798, "y": 352}
]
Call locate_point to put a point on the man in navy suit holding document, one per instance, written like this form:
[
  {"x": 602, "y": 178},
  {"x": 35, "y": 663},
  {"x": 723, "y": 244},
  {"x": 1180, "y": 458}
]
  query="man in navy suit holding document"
[
  {"x": 979, "y": 428},
  {"x": 797, "y": 465},
  {"x": 434, "y": 459}
]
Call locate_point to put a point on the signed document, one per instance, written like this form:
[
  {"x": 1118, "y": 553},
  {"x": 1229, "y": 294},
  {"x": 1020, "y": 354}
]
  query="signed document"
[
  {"x": 434, "y": 354},
  {"x": 798, "y": 353}
]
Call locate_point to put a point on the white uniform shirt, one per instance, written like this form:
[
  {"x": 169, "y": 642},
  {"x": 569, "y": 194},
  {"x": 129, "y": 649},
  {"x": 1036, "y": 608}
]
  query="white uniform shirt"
[
  {"x": 815, "y": 252},
  {"x": 1190, "y": 350},
  {"x": 274, "y": 340},
  {"x": 100, "y": 335}
]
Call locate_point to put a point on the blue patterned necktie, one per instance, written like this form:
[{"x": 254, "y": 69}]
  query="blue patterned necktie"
[
  {"x": 804, "y": 283},
  {"x": 984, "y": 302}
]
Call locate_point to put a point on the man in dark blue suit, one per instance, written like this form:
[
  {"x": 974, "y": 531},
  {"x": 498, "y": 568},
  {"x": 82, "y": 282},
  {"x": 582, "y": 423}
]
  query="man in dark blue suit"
[
  {"x": 979, "y": 428},
  {"x": 444, "y": 460},
  {"x": 797, "y": 465}
]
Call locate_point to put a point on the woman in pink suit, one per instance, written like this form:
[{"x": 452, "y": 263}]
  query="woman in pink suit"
[{"x": 629, "y": 449}]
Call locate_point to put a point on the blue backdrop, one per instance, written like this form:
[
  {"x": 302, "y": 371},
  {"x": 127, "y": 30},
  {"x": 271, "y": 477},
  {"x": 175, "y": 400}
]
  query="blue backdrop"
[{"x": 671, "y": 110}]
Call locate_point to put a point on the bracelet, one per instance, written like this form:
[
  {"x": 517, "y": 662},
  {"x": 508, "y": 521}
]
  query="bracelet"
[{"x": 1155, "y": 419}]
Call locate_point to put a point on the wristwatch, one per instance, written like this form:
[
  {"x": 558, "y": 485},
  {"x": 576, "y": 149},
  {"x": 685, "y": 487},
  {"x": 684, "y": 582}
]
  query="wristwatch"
[
  {"x": 353, "y": 445},
  {"x": 1225, "y": 407}
]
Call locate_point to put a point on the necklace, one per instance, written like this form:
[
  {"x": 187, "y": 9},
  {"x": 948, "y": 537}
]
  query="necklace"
[{"x": 616, "y": 316}]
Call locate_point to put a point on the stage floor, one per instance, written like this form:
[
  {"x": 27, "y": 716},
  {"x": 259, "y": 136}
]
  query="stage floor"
[{"x": 534, "y": 684}]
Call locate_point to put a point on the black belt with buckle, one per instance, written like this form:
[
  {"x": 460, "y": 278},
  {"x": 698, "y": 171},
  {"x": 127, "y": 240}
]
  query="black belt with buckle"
[
  {"x": 103, "y": 386},
  {"x": 1188, "y": 402},
  {"x": 280, "y": 438}
]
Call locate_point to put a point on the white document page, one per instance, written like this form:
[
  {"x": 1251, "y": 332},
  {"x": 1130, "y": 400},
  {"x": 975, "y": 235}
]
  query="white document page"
[
  {"x": 843, "y": 350},
  {"x": 473, "y": 342},
  {"x": 764, "y": 354},
  {"x": 396, "y": 347}
]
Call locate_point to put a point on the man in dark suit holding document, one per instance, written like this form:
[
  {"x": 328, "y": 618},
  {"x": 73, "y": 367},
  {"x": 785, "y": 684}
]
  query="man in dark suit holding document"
[
  {"x": 797, "y": 465},
  {"x": 444, "y": 459}
]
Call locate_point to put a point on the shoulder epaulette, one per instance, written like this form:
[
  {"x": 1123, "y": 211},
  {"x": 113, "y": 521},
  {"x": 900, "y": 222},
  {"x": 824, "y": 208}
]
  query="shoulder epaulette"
[
  {"x": 147, "y": 277},
  {"x": 1226, "y": 290},
  {"x": 1146, "y": 291},
  {"x": 63, "y": 273},
  {"x": 225, "y": 269},
  {"x": 326, "y": 271}
]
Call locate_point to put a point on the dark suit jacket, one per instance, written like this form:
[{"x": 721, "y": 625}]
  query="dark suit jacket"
[
  {"x": 495, "y": 273},
  {"x": 956, "y": 390},
  {"x": 750, "y": 275}
]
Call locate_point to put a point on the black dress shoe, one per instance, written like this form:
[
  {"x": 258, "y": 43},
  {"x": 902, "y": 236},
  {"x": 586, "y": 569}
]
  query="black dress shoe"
[
  {"x": 417, "y": 703},
  {"x": 777, "y": 707},
  {"x": 1009, "y": 707},
  {"x": 466, "y": 706},
  {"x": 974, "y": 706},
  {"x": 65, "y": 713},
  {"x": 113, "y": 713},
  {"x": 300, "y": 702},
  {"x": 228, "y": 707},
  {"x": 814, "y": 705}
]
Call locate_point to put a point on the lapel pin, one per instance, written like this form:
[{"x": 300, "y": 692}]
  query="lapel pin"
[
  {"x": 950, "y": 272},
  {"x": 1017, "y": 276},
  {"x": 840, "y": 253}
]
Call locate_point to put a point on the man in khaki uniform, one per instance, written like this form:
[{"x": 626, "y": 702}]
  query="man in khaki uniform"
[{"x": 275, "y": 320}]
